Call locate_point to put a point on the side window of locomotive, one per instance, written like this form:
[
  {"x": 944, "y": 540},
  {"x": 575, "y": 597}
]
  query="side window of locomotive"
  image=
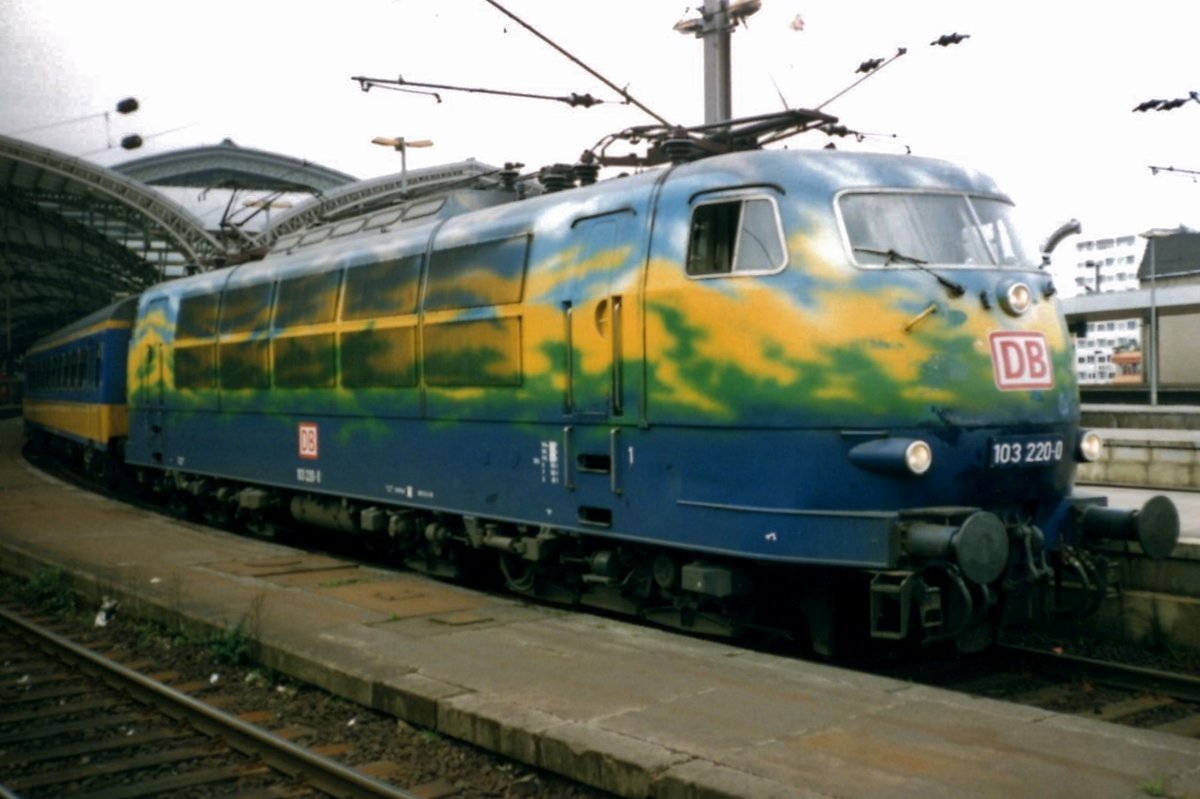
[
  {"x": 742, "y": 237},
  {"x": 307, "y": 300},
  {"x": 245, "y": 309},
  {"x": 485, "y": 351},
  {"x": 387, "y": 288},
  {"x": 243, "y": 360},
  {"x": 305, "y": 358},
  {"x": 195, "y": 343},
  {"x": 374, "y": 356},
  {"x": 477, "y": 275}
]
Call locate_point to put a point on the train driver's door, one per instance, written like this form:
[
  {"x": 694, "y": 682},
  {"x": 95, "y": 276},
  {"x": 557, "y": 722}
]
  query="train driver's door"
[{"x": 601, "y": 317}]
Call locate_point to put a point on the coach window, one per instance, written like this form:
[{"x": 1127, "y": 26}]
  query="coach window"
[
  {"x": 97, "y": 365},
  {"x": 741, "y": 236}
]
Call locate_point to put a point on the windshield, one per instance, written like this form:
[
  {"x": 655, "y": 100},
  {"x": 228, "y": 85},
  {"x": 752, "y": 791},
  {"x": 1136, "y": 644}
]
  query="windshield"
[{"x": 945, "y": 229}]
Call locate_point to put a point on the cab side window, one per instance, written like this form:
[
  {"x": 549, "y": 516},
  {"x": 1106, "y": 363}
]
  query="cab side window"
[{"x": 739, "y": 236}]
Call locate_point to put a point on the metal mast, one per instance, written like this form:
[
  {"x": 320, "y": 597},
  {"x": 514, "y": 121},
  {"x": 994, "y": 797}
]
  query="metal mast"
[{"x": 718, "y": 90}]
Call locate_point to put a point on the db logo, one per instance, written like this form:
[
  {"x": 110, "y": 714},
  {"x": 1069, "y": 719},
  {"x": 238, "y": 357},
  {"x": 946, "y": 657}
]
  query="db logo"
[
  {"x": 308, "y": 440},
  {"x": 1021, "y": 361}
]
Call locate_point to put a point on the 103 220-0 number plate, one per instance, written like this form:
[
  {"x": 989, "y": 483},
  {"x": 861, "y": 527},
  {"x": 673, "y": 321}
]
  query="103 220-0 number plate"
[{"x": 1009, "y": 451}]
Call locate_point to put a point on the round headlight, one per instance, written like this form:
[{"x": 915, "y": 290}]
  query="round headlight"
[
  {"x": 1016, "y": 298},
  {"x": 1091, "y": 446},
  {"x": 918, "y": 457}
]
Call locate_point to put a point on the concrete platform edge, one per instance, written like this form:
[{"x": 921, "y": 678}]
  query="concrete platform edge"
[{"x": 603, "y": 759}]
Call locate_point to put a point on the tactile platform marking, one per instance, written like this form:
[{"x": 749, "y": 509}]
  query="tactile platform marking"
[
  {"x": 272, "y": 566},
  {"x": 404, "y": 599},
  {"x": 321, "y": 577}
]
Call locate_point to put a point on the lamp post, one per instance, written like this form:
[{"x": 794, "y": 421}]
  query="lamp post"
[
  {"x": 1151, "y": 237},
  {"x": 1095, "y": 265},
  {"x": 401, "y": 144}
]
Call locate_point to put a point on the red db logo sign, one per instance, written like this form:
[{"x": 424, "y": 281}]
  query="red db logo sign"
[
  {"x": 308, "y": 440},
  {"x": 1021, "y": 361}
]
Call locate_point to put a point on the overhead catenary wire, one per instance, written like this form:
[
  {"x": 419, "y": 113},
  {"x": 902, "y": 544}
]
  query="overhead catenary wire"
[
  {"x": 621, "y": 91},
  {"x": 398, "y": 84}
]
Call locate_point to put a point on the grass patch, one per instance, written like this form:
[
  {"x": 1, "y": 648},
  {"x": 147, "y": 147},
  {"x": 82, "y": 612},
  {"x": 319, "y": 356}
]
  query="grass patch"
[
  {"x": 50, "y": 589},
  {"x": 230, "y": 647}
]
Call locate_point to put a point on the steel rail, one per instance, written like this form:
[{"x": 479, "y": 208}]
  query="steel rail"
[
  {"x": 1180, "y": 686},
  {"x": 320, "y": 772}
]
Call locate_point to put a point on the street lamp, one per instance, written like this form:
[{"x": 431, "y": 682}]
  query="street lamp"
[
  {"x": 401, "y": 144},
  {"x": 1151, "y": 237},
  {"x": 1095, "y": 265},
  {"x": 264, "y": 206}
]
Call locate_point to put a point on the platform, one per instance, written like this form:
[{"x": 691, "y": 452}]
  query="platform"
[
  {"x": 1146, "y": 446},
  {"x": 636, "y": 711}
]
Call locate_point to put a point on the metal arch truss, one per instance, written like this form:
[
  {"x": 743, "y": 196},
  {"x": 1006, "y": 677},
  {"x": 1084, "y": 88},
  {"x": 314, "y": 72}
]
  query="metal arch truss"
[
  {"x": 181, "y": 228},
  {"x": 368, "y": 194}
]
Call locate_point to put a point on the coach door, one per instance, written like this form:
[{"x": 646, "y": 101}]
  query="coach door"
[{"x": 601, "y": 316}]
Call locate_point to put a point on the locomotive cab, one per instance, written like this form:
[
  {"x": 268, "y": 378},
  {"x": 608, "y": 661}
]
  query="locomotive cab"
[{"x": 901, "y": 379}]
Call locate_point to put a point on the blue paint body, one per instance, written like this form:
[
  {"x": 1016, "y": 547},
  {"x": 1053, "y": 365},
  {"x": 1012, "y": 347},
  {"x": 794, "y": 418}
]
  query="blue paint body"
[{"x": 767, "y": 478}]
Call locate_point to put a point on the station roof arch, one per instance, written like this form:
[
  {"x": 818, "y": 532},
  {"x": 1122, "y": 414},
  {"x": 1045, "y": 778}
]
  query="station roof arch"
[
  {"x": 228, "y": 165},
  {"x": 74, "y": 236}
]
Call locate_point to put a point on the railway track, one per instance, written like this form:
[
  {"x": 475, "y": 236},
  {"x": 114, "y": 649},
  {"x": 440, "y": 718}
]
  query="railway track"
[
  {"x": 75, "y": 723},
  {"x": 1108, "y": 690},
  {"x": 1103, "y": 689}
]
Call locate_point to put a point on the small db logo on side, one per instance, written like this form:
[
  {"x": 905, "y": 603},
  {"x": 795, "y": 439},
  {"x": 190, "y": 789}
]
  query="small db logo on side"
[
  {"x": 308, "y": 440},
  {"x": 1021, "y": 361}
]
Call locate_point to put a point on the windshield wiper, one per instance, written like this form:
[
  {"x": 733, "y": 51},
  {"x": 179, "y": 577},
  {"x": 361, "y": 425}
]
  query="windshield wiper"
[{"x": 955, "y": 289}]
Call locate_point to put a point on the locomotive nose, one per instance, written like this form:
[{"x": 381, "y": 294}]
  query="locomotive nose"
[{"x": 1155, "y": 526}]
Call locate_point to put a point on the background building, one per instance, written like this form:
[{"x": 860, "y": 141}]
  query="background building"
[
  {"x": 1106, "y": 266},
  {"x": 1171, "y": 266}
]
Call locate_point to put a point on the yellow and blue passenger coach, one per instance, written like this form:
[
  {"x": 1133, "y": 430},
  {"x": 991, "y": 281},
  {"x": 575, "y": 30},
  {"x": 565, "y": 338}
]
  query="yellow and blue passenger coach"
[
  {"x": 75, "y": 392},
  {"x": 837, "y": 386}
]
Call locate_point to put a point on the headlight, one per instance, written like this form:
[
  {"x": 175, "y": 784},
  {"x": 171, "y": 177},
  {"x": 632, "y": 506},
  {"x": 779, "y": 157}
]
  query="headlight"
[
  {"x": 903, "y": 457},
  {"x": 918, "y": 457},
  {"x": 1015, "y": 297},
  {"x": 1091, "y": 446}
]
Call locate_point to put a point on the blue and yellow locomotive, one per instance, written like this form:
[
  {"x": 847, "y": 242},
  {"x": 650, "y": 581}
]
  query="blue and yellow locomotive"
[{"x": 808, "y": 389}]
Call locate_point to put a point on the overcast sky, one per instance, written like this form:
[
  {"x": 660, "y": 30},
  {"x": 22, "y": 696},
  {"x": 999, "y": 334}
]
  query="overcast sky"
[{"x": 1039, "y": 96}]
